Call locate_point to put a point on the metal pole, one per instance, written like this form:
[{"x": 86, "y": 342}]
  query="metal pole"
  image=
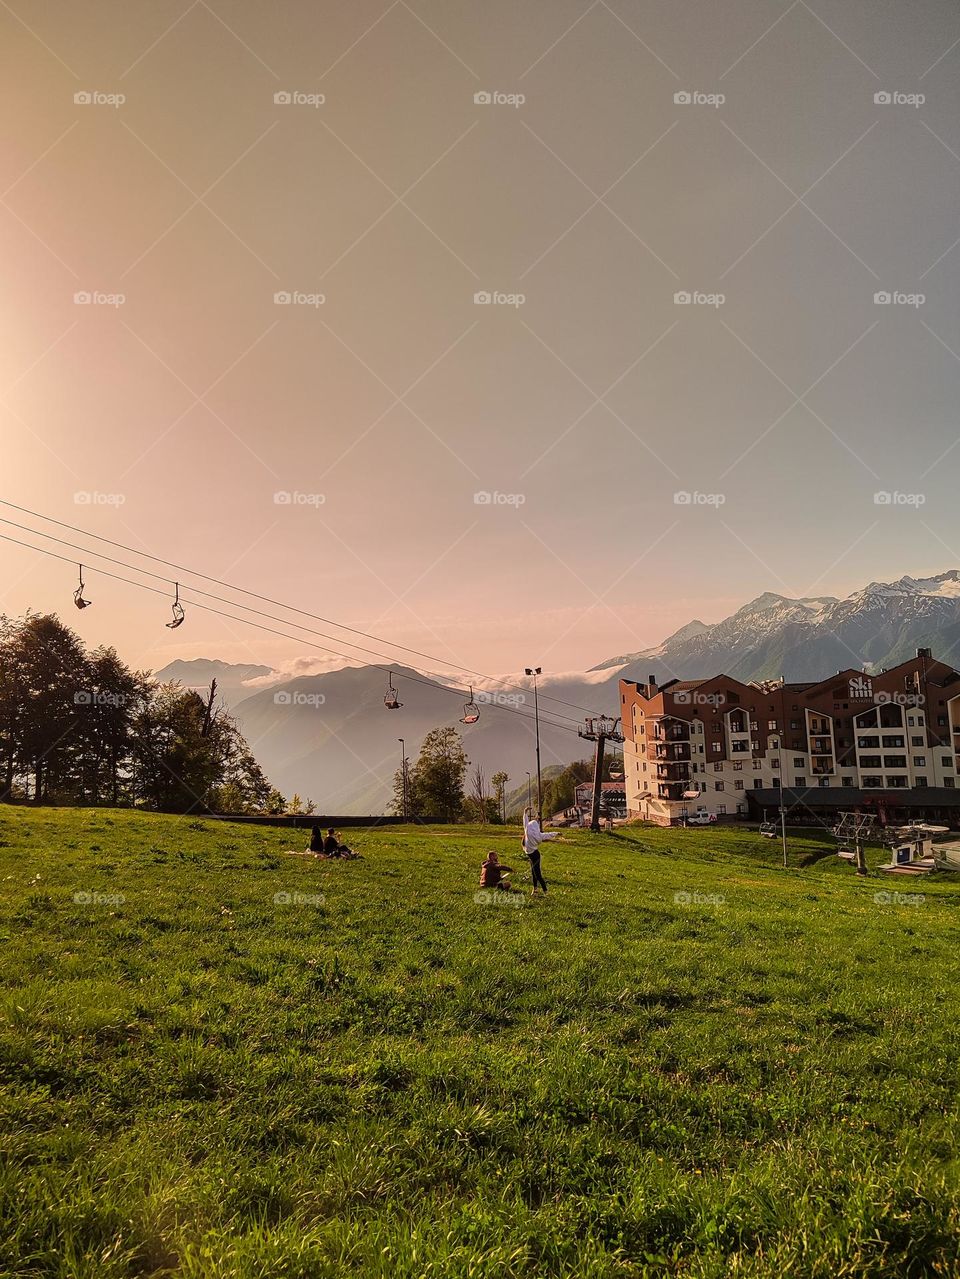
[
  {"x": 403, "y": 774},
  {"x": 783, "y": 826},
  {"x": 597, "y": 784},
  {"x": 528, "y": 790},
  {"x": 536, "y": 716}
]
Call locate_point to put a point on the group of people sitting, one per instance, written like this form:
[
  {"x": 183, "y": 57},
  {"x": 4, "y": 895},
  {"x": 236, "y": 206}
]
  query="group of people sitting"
[
  {"x": 494, "y": 874},
  {"x": 329, "y": 845}
]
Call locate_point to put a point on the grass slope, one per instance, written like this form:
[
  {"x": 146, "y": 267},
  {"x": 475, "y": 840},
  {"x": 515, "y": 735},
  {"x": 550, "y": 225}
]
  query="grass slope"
[{"x": 756, "y": 1077}]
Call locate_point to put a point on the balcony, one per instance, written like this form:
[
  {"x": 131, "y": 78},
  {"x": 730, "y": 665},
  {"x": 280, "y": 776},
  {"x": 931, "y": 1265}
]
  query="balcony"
[{"x": 674, "y": 751}]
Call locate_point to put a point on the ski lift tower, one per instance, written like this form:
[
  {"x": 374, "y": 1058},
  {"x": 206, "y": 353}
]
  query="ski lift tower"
[
  {"x": 601, "y": 729},
  {"x": 855, "y": 829}
]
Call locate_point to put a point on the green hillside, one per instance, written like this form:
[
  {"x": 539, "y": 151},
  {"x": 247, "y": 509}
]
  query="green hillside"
[{"x": 218, "y": 1060}]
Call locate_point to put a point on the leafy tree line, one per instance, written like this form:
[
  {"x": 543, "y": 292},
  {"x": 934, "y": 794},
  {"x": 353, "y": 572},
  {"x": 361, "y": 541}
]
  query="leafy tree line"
[{"x": 77, "y": 726}]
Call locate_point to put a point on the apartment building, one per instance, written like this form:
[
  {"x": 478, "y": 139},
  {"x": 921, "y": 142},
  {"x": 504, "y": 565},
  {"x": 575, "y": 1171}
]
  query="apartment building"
[{"x": 716, "y": 744}]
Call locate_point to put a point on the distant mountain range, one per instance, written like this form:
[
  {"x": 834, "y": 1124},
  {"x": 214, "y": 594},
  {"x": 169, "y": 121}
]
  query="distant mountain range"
[{"x": 330, "y": 737}]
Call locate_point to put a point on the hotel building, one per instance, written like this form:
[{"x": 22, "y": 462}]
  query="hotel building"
[{"x": 886, "y": 740}]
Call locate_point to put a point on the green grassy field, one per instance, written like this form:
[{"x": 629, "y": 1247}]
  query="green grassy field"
[{"x": 685, "y": 1061}]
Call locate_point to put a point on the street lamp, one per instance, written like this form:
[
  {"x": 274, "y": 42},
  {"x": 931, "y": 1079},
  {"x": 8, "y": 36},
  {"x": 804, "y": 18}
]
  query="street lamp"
[
  {"x": 535, "y": 671},
  {"x": 403, "y": 774},
  {"x": 528, "y": 790}
]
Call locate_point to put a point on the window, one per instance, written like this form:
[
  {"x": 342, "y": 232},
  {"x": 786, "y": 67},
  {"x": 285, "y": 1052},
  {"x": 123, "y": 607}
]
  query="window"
[
  {"x": 774, "y": 763},
  {"x": 865, "y": 743},
  {"x": 911, "y": 721},
  {"x": 870, "y": 761},
  {"x": 846, "y": 781},
  {"x": 718, "y": 785},
  {"x": 775, "y": 783},
  {"x": 942, "y": 721},
  {"x": 800, "y": 782},
  {"x": 715, "y": 747},
  {"x": 738, "y": 785},
  {"x": 919, "y": 761},
  {"x": 894, "y": 761},
  {"x": 921, "y": 781},
  {"x": 916, "y": 741},
  {"x": 949, "y": 782},
  {"x": 873, "y": 782},
  {"x": 896, "y": 783},
  {"x": 946, "y": 761},
  {"x": 757, "y": 765},
  {"x": 772, "y": 725},
  {"x": 774, "y": 743},
  {"x": 795, "y": 723},
  {"x": 738, "y": 767},
  {"x": 799, "y": 763},
  {"x": 824, "y": 781},
  {"x": 754, "y": 726},
  {"x": 717, "y": 767}
]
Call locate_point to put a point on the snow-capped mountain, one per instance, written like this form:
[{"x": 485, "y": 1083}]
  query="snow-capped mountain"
[{"x": 880, "y": 625}]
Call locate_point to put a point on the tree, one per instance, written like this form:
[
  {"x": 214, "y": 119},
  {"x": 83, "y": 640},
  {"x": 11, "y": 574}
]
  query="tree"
[
  {"x": 81, "y": 727},
  {"x": 499, "y": 782},
  {"x": 296, "y": 805},
  {"x": 438, "y": 775},
  {"x": 560, "y": 791},
  {"x": 276, "y": 803}
]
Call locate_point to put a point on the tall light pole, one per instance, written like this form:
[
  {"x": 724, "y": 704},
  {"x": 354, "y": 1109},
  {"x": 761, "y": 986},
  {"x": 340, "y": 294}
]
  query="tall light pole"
[
  {"x": 535, "y": 671},
  {"x": 403, "y": 774},
  {"x": 528, "y": 790}
]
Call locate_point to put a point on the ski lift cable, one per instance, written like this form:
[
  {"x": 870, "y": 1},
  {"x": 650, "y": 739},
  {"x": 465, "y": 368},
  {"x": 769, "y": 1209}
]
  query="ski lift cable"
[
  {"x": 383, "y": 657},
  {"x": 266, "y": 599},
  {"x": 207, "y": 608}
]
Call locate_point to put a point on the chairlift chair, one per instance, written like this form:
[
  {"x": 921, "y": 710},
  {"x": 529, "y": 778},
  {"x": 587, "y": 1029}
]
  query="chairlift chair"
[
  {"x": 471, "y": 711},
  {"x": 78, "y": 593},
  {"x": 691, "y": 794},
  {"x": 615, "y": 771},
  {"x": 390, "y": 698},
  {"x": 177, "y": 609}
]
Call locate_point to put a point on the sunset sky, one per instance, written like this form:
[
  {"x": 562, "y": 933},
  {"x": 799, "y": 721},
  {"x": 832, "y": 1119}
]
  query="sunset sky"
[{"x": 169, "y": 411}]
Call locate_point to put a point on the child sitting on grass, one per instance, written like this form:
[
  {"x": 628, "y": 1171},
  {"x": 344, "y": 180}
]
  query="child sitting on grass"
[{"x": 493, "y": 874}]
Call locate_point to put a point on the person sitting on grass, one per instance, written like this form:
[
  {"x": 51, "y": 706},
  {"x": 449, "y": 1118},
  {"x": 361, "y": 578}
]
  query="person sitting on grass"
[
  {"x": 316, "y": 842},
  {"x": 493, "y": 874},
  {"x": 333, "y": 848}
]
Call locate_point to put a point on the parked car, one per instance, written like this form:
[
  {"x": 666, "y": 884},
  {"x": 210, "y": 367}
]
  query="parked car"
[{"x": 701, "y": 819}]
